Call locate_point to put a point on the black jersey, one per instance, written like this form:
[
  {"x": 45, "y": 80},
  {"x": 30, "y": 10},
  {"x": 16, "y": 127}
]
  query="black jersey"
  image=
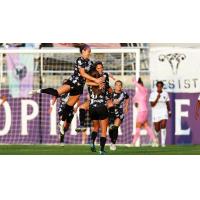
[
  {"x": 98, "y": 99},
  {"x": 120, "y": 97},
  {"x": 106, "y": 76},
  {"x": 76, "y": 78}
]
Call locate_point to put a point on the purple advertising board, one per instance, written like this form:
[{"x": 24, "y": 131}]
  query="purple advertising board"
[{"x": 27, "y": 121}]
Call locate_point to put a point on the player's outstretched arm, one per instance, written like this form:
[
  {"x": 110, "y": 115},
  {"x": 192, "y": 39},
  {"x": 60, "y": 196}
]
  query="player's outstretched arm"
[
  {"x": 137, "y": 84},
  {"x": 153, "y": 103},
  {"x": 169, "y": 109},
  {"x": 90, "y": 78},
  {"x": 112, "y": 77},
  {"x": 4, "y": 99},
  {"x": 126, "y": 106},
  {"x": 91, "y": 83}
]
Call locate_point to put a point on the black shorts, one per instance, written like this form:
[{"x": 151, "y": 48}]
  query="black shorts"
[
  {"x": 69, "y": 117},
  {"x": 119, "y": 114},
  {"x": 75, "y": 89},
  {"x": 98, "y": 113}
]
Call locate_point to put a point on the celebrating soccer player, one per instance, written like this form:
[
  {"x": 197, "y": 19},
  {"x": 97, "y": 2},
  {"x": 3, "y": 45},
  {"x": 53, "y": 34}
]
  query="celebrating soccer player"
[
  {"x": 62, "y": 108},
  {"x": 98, "y": 113},
  {"x": 75, "y": 83},
  {"x": 98, "y": 65},
  {"x": 119, "y": 97}
]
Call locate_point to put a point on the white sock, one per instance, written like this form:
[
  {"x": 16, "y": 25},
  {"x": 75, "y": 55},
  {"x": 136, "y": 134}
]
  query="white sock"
[
  {"x": 39, "y": 91},
  {"x": 157, "y": 133},
  {"x": 163, "y": 136},
  {"x": 62, "y": 123}
]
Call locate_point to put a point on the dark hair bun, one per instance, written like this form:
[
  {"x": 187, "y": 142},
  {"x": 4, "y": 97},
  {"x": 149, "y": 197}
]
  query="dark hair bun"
[{"x": 84, "y": 47}]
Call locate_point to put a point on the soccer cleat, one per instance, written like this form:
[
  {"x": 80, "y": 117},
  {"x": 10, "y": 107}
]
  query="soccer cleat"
[
  {"x": 102, "y": 152},
  {"x": 93, "y": 148},
  {"x": 62, "y": 144},
  {"x": 154, "y": 144},
  {"x": 80, "y": 129},
  {"x": 32, "y": 92},
  {"x": 83, "y": 129},
  {"x": 113, "y": 147}
]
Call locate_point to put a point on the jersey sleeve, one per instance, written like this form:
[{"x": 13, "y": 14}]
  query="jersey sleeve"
[
  {"x": 107, "y": 80},
  {"x": 126, "y": 96},
  {"x": 108, "y": 96},
  {"x": 152, "y": 97},
  {"x": 80, "y": 63},
  {"x": 167, "y": 97}
]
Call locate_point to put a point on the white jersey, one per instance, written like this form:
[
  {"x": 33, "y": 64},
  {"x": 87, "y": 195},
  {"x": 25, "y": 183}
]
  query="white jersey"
[{"x": 159, "y": 111}]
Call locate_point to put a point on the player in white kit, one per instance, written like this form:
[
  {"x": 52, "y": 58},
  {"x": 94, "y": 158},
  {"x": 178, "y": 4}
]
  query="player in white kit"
[{"x": 159, "y": 100}]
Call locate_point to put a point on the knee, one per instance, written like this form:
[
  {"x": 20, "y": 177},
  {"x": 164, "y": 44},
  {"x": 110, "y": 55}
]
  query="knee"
[
  {"x": 82, "y": 107},
  {"x": 163, "y": 125},
  {"x": 95, "y": 129}
]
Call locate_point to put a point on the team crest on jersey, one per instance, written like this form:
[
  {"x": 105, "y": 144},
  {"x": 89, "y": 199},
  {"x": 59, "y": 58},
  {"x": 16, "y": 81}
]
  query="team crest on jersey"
[{"x": 20, "y": 71}]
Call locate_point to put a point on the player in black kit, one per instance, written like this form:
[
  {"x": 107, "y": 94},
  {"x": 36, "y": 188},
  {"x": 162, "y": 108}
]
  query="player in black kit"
[
  {"x": 119, "y": 98},
  {"x": 75, "y": 83},
  {"x": 98, "y": 113},
  {"x": 98, "y": 65},
  {"x": 61, "y": 111}
]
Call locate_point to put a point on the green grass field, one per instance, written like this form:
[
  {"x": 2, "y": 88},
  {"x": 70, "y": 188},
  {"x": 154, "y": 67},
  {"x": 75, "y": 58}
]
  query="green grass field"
[{"x": 84, "y": 150}]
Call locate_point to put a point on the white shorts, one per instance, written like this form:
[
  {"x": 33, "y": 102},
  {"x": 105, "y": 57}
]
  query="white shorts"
[{"x": 157, "y": 117}]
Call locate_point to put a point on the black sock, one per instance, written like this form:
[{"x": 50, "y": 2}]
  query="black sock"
[
  {"x": 102, "y": 143},
  {"x": 93, "y": 137},
  {"x": 111, "y": 115},
  {"x": 62, "y": 138},
  {"x": 50, "y": 91},
  {"x": 67, "y": 112},
  {"x": 115, "y": 134},
  {"x": 82, "y": 113},
  {"x": 111, "y": 134}
]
